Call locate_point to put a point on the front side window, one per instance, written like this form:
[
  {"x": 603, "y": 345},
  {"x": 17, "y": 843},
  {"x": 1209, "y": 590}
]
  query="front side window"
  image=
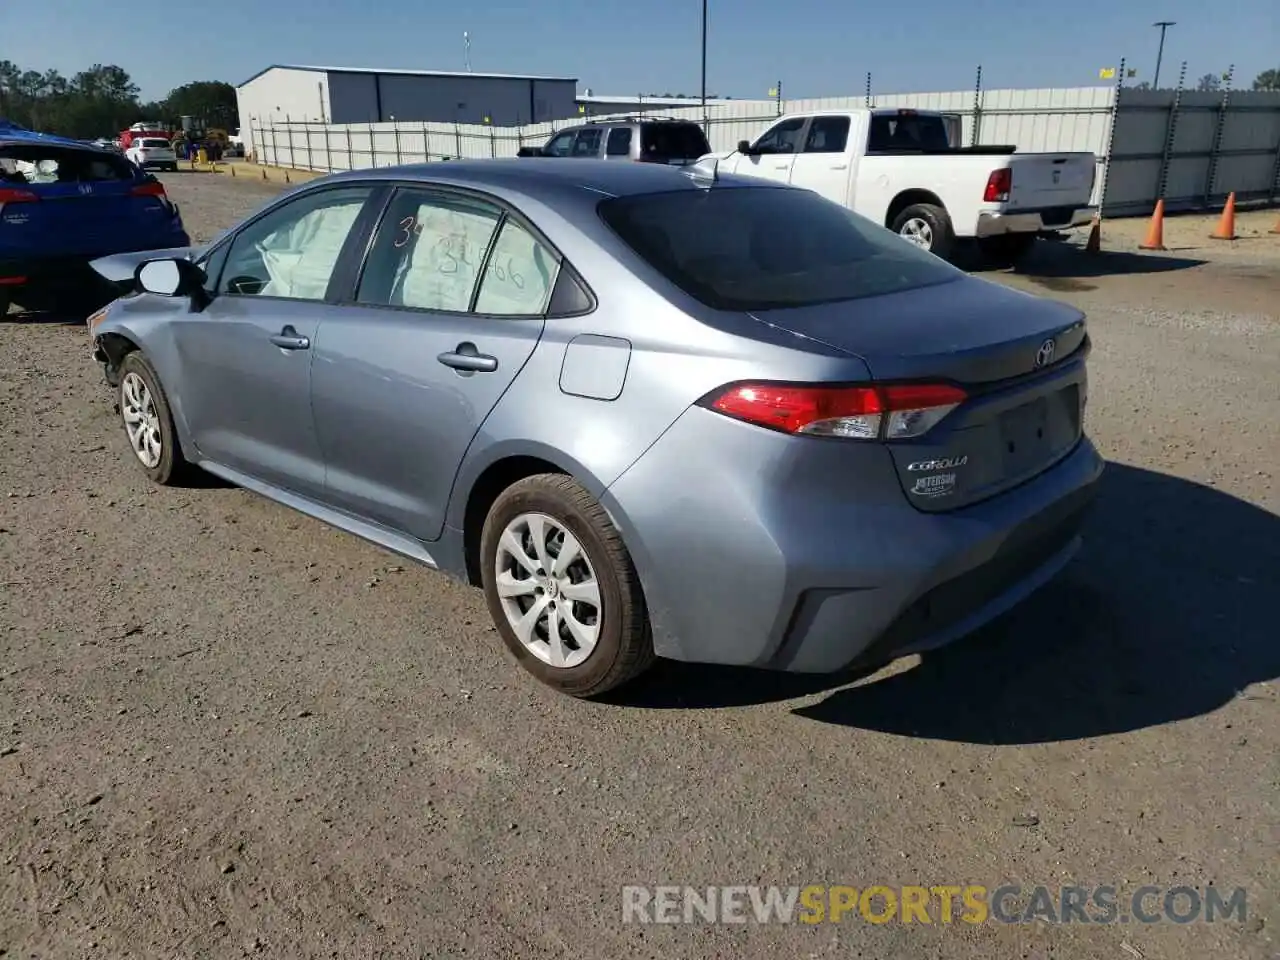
[
  {"x": 560, "y": 145},
  {"x": 762, "y": 248},
  {"x": 782, "y": 137},
  {"x": 428, "y": 252},
  {"x": 291, "y": 252},
  {"x": 588, "y": 143}
]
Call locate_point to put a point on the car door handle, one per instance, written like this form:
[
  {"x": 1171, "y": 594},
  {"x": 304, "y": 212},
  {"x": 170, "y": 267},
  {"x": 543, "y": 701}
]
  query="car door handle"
[
  {"x": 781, "y": 166},
  {"x": 466, "y": 358},
  {"x": 290, "y": 339},
  {"x": 840, "y": 166}
]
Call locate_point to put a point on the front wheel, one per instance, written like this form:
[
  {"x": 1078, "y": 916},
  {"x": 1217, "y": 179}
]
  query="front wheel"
[
  {"x": 148, "y": 421},
  {"x": 561, "y": 587},
  {"x": 928, "y": 227}
]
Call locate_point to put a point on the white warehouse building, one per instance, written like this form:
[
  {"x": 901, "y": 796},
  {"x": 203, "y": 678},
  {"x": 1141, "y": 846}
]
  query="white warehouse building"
[{"x": 361, "y": 95}]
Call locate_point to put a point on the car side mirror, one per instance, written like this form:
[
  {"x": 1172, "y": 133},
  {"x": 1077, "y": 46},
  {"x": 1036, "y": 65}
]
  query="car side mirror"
[
  {"x": 744, "y": 148},
  {"x": 529, "y": 152},
  {"x": 170, "y": 277}
]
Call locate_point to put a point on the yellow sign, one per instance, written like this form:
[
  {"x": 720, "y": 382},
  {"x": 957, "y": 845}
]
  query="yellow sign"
[
  {"x": 582, "y": 108},
  {"x": 773, "y": 91},
  {"x": 488, "y": 120},
  {"x": 1107, "y": 73}
]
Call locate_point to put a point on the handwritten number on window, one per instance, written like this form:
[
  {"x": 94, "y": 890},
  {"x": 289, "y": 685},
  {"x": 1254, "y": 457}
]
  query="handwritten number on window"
[
  {"x": 507, "y": 274},
  {"x": 408, "y": 227}
]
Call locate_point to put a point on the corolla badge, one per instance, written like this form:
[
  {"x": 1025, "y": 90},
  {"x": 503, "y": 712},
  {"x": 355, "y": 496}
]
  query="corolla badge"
[{"x": 946, "y": 463}]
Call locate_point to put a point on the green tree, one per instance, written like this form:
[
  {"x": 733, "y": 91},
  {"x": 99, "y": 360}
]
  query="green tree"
[
  {"x": 210, "y": 101},
  {"x": 1267, "y": 80}
]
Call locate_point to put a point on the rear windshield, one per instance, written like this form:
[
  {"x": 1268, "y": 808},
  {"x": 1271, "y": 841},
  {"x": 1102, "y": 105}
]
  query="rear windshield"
[
  {"x": 898, "y": 134},
  {"x": 673, "y": 141},
  {"x": 34, "y": 163},
  {"x": 154, "y": 144},
  {"x": 762, "y": 248}
]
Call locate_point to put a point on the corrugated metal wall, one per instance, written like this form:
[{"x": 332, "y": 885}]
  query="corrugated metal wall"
[{"x": 1220, "y": 142}]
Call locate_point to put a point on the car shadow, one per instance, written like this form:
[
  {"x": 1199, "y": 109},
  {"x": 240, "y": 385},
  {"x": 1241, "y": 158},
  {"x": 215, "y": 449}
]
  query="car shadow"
[
  {"x": 42, "y": 317},
  {"x": 1167, "y": 614}
]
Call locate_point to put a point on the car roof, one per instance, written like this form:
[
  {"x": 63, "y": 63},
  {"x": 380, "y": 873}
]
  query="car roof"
[
  {"x": 12, "y": 134},
  {"x": 535, "y": 176}
]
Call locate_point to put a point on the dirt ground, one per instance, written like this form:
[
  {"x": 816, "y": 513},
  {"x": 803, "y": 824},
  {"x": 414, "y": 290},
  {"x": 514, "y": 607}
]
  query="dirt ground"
[{"x": 227, "y": 730}]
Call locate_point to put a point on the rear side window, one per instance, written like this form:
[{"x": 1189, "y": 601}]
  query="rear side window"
[
  {"x": 428, "y": 252},
  {"x": 827, "y": 135},
  {"x": 672, "y": 141},
  {"x": 898, "y": 134},
  {"x": 762, "y": 248},
  {"x": 619, "y": 142}
]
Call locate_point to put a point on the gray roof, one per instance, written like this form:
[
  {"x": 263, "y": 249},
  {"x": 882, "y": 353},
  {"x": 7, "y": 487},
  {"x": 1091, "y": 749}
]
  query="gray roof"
[{"x": 403, "y": 73}]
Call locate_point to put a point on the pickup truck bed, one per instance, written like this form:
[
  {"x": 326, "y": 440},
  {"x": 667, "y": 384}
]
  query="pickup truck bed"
[{"x": 898, "y": 168}]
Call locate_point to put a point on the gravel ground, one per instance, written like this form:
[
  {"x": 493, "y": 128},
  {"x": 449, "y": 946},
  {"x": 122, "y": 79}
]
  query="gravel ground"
[{"x": 228, "y": 730}]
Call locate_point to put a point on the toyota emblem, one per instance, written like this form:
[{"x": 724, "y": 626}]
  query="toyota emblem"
[{"x": 1044, "y": 356}]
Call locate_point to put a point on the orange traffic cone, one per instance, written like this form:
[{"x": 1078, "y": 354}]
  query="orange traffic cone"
[
  {"x": 1227, "y": 225},
  {"x": 1094, "y": 243},
  {"x": 1155, "y": 232}
]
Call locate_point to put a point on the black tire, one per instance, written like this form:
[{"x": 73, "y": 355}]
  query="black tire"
[
  {"x": 624, "y": 648},
  {"x": 172, "y": 467},
  {"x": 942, "y": 236},
  {"x": 1006, "y": 250},
  {"x": 5, "y": 303}
]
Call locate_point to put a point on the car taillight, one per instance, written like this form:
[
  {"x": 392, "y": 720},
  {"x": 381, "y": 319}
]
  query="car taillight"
[
  {"x": 876, "y": 412},
  {"x": 148, "y": 190},
  {"x": 10, "y": 195},
  {"x": 999, "y": 186}
]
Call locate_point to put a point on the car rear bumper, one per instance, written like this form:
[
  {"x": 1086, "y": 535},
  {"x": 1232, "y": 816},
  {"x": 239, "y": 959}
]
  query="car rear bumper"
[
  {"x": 997, "y": 223},
  {"x": 755, "y": 552}
]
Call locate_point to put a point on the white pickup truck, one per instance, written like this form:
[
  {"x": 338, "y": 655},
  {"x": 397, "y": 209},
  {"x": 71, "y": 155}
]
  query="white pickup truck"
[{"x": 898, "y": 168}]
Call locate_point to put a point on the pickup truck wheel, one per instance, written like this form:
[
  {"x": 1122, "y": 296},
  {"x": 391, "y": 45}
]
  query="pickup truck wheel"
[
  {"x": 1007, "y": 249},
  {"x": 928, "y": 227}
]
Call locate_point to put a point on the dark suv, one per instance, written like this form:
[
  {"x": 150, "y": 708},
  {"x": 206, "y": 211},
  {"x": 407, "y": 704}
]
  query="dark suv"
[{"x": 647, "y": 140}]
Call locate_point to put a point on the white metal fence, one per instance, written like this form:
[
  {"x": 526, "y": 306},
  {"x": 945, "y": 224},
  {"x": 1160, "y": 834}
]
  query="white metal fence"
[{"x": 1191, "y": 148}]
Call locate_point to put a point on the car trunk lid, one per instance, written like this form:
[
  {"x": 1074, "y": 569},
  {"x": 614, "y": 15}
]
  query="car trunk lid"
[{"x": 1020, "y": 360}]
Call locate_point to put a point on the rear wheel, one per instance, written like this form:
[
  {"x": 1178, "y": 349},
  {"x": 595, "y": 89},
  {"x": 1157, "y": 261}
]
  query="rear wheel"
[
  {"x": 561, "y": 587},
  {"x": 927, "y": 226},
  {"x": 148, "y": 421}
]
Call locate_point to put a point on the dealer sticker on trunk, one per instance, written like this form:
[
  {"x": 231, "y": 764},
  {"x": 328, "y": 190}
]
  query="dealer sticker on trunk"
[{"x": 938, "y": 485}]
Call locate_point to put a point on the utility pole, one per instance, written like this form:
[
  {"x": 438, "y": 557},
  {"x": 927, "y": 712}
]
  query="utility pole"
[
  {"x": 1163, "y": 25},
  {"x": 706, "y": 132},
  {"x": 466, "y": 50}
]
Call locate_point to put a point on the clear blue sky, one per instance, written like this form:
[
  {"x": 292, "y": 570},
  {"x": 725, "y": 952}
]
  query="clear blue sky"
[{"x": 816, "y": 47}]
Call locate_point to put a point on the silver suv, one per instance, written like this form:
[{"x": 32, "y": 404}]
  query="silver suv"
[{"x": 645, "y": 139}]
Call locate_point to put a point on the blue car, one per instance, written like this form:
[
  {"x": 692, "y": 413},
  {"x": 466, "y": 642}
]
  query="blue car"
[{"x": 64, "y": 203}]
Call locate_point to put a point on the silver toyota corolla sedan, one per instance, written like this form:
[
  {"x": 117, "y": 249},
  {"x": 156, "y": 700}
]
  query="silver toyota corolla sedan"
[{"x": 651, "y": 411}]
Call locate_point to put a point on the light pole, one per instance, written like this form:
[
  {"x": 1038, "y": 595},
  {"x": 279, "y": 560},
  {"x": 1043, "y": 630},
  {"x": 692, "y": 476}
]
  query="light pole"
[
  {"x": 704, "y": 69},
  {"x": 1163, "y": 25}
]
